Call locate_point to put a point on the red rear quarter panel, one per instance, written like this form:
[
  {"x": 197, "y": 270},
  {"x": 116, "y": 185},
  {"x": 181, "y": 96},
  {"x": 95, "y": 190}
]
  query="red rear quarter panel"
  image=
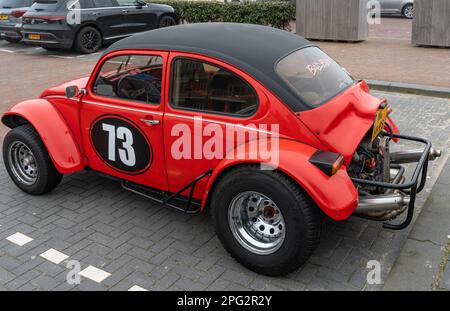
[{"x": 341, "y": 123}]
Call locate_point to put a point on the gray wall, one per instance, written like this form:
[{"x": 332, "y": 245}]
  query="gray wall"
[
  {"x": 431, "y": 24},
  {"x": 332, "y": 19}
]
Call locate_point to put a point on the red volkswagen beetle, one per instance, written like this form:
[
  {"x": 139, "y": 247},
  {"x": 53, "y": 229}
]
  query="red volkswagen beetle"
[{"x": 254, "y": 124}]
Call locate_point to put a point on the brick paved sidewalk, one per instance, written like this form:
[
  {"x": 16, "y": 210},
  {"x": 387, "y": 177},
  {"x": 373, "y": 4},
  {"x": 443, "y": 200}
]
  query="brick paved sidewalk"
[{"x": 137, "y": 242}]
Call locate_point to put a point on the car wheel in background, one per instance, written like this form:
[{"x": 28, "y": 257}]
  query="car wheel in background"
[
  {"x": 13, "y": 40},
  {"x": 167, "y": 21},
  {"x": 265, "y": 220},
  {"x": 408, "y": 11},
  {"x": 28, "y": 162},
  {"x": 88, "y": 40}
]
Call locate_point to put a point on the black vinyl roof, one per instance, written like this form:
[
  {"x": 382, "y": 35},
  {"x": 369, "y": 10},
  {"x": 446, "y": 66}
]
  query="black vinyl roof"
[{"x": 254, "y": 49}]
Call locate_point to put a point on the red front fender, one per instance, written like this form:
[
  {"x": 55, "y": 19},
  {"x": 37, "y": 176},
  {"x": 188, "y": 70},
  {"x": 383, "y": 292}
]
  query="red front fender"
[
  {"x": 52, "y": 129},
  {"x": 336, "y": 195}
]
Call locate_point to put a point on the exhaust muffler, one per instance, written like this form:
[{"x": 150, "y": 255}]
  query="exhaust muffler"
[{"x": 410, "y": 156}]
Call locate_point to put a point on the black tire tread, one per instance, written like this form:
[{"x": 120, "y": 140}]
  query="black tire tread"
[{"x": 51, "y": 176}]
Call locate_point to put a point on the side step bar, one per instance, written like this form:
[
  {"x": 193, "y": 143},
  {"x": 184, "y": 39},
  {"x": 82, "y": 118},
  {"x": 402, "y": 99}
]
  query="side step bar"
[{"x": 188, "y": 205}]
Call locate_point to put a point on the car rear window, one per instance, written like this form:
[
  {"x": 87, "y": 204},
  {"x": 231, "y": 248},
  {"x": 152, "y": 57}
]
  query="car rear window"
[
  {"x": 47, "y": 5},
  {"x": 313, "y": 75},
  {"x": 11, "y": 4}
]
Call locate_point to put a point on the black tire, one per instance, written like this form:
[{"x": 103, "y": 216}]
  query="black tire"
[
  {"x": 88, "y": 40},
  {"x": 407, "y": 9},
  {"x": 13, "y": 40},
  {"x": 302, "y": 219},
  {"x": 47, "y": 177},
  {"x": 167, "y": 21}
]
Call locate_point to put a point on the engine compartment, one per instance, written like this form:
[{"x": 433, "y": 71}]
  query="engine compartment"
[{"x": 371, "y": 161}]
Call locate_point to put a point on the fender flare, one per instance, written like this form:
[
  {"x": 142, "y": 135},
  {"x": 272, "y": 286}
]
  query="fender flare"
[
  {"x": 335, "y": 195},
  {"x": 53, "y": 130}
]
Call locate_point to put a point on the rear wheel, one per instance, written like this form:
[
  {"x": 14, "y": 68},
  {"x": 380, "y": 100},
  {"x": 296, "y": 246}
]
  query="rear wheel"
[
  {"x": 88, "y": 40},
  {"x": 13, "y": 40},
  {"x": 167, "y": 21},
  {"x": 264, "y": 220},
  {"x": 28, "y": 162},
  {"x": 408, "y": 11}
]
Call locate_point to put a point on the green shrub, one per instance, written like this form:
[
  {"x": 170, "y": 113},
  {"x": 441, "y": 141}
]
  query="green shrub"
[{"x": 276, "y": 13}]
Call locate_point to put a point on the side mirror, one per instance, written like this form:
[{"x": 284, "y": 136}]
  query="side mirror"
[
  {"x": 140, "y": 3},
  {"x": 72, "y": 91}
]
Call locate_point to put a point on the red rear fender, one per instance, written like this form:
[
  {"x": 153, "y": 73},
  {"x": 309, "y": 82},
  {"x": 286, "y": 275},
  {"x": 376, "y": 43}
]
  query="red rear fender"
[{"x": 335, "y": 195}]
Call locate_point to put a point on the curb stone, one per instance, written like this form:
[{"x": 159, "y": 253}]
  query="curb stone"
[{"x": 417, "y": 89}]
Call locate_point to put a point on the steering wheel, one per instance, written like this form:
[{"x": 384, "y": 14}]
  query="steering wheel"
[
  {"x": 126, "y": 88},
  {"x": 131, "y": 87}
]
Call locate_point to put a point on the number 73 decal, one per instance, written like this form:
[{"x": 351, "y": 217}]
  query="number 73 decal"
[
  {"x": 121, "y": 144},
  {"x": 127, "y": 154}
]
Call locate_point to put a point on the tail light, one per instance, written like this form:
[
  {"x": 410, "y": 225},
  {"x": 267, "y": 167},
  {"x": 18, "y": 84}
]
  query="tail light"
[
  {"x": 18, "y": 13},
  {"x": 327, "y": 162},
  {"x": 46, "y": 18}
]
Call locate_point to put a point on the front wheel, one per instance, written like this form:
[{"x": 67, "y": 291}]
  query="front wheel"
[
  {"x": 408, "y": 11},
  {"x": 264, "y": 220},
  {"x": 28, "y": 162}
]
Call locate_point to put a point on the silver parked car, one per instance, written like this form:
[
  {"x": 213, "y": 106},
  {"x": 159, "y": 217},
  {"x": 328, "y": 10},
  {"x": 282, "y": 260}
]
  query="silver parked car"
[
  {"x": 11, "y": 12},
  {"x": 403, "y": 7}
]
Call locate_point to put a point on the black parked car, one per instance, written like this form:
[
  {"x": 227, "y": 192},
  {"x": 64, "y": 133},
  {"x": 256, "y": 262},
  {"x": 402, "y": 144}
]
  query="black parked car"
[
  {"x": 86, "y": 24},
  {"x": 11, "y": 12}
]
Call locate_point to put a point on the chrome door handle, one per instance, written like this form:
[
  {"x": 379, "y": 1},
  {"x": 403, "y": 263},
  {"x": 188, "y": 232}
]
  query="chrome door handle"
[
  {"x": 125, "y": 11},
  {"x": 96, "y": 13},
  {"x": 150, "y": 122}
]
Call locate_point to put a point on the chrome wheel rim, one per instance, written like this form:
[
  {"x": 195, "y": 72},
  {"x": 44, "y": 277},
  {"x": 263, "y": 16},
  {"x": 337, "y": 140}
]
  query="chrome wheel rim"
[
  {"x": 256, "y": 222},
  {"x": 23, "y": 163},
  {"x": 409, "y": 12}
]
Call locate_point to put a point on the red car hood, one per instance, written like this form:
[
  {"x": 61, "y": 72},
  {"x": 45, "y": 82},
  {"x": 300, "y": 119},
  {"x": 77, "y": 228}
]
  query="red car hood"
[
  {"x": 60, "y": 90},
  {"x": 343, "y": 121}
]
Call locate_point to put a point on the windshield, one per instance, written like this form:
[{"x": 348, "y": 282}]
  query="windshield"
[
  {"x": 313, "y": 75},
  {"x": 11, "y": 4}
]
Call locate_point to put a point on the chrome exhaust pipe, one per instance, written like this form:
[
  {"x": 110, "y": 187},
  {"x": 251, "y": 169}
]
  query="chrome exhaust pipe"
[
  {"x": 410, "y": 156},
  {"x": 377, "y": 204}
]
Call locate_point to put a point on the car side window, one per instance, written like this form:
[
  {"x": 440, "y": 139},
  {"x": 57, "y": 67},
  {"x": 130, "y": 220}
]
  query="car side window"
[
  {"x": 201, "y": 86},
  {"x": 87, "y": 4},
  {"x": 103, "y": 3},
  {"x": 126, "y": 2},
  {"x": 131, "y": 77}
]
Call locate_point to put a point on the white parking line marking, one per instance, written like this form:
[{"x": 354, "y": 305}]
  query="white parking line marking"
[
  {"x": 19, "y": 239},
  {"x": 136, "y": 288},
  {"x": 54, "y": 256},
  {"x": 94, "y": 274}
]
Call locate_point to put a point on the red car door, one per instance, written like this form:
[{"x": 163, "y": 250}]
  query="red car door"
[
  {"x": 121, "y": 118},
  {"x": 204, "y": 95}
]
